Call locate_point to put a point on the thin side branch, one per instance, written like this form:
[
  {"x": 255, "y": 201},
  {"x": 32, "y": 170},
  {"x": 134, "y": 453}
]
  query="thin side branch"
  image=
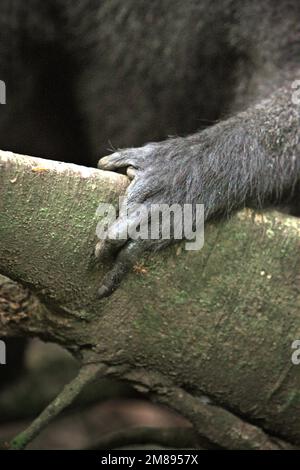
[{"x": 86, "y": 375}]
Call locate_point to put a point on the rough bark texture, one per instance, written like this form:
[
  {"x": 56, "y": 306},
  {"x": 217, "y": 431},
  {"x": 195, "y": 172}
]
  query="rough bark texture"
[{"x": 215, "y": 325}]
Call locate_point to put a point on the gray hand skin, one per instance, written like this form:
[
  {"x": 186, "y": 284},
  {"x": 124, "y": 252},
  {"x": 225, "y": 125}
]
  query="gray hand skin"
[
  {"x": 251, "y": 159},
  {"x": 216, "y": 75}
]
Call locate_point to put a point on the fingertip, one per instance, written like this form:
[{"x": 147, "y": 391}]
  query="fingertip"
[
  {"x": 103, "y": 162},
  {"x": 106, "y": 161},
  {"x": 103, "y": 292},
  {"x": 99, "y": 249},
  {"x": 131, "y": 172}
]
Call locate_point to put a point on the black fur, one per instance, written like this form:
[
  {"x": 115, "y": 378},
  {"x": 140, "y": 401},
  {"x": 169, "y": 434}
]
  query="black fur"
[{"x": 88, "y": 75}]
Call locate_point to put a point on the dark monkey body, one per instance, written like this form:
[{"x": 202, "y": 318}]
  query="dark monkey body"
[{"x": 89, "y": 74}]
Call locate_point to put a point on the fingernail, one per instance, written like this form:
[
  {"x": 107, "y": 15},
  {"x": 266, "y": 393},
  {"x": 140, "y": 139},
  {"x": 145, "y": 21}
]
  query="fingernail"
[
  {"x": 103, "y": 292},
  {"x": 99, "y": 248},
  {"x": 103, "y": 160},
  {"x": 131, "y": 172}
]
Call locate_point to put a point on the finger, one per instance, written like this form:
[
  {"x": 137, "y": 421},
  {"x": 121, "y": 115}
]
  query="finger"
[
  {"x": 105, "y": 248},
  {"x": 125, "y": 260},
  {"x": 131, "y": 172},
  {"x": 116, "y": 237},
  {"x": 122, "y": 230},
  {"x": 116, "y": 160}
]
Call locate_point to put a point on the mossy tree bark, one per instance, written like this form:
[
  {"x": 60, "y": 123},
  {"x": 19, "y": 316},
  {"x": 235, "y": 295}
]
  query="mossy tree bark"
[{"x": 208, "y": 333}]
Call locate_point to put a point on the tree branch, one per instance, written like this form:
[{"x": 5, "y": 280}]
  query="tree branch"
[
  {"x": 219, "y": 322},
  {"x": 86, "y": 375}
]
